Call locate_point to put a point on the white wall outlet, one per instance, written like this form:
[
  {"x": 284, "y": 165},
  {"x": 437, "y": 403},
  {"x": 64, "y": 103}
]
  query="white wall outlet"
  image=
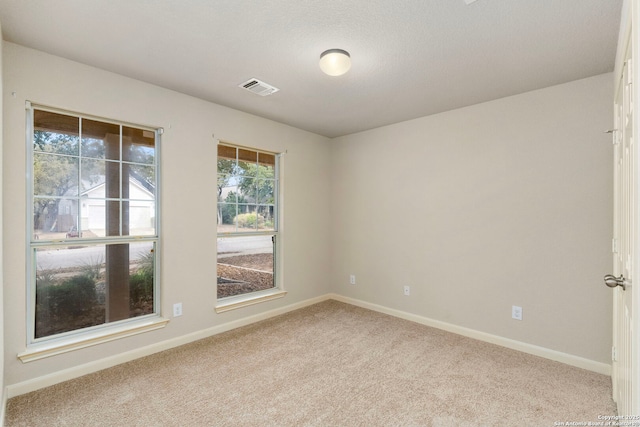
[
  {"x": 407, "y": 291},
  {"x": 352, "y": 279},
  {"x": 177, "y": 309},
  {"x": 516, "y": 312}
]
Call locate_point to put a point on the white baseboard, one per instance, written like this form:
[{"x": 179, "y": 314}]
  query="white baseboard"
[
  {"x": 569, "y": 359},
  {"x": 98, "y": 365},
  {"x": 88, "y": 368}
]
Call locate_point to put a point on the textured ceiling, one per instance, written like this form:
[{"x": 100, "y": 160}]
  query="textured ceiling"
[{"x": 410, "y": 58}]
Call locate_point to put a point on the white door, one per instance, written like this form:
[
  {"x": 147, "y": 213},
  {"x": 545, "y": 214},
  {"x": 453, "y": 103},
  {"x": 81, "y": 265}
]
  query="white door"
[{"x": 625, "y": 361}]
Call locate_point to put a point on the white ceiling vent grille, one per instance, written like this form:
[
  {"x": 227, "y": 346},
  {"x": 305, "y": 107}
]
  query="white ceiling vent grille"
[{"x": 258, "y": 87}]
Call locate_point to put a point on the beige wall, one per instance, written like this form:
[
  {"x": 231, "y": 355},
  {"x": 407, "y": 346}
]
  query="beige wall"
[
  {"x": 188, "y": 218},
  {"x": 503, "y": 203}
]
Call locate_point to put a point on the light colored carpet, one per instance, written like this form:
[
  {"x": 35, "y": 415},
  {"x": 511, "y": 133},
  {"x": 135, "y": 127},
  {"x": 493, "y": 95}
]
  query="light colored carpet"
[{"x": 331, "y": 364}]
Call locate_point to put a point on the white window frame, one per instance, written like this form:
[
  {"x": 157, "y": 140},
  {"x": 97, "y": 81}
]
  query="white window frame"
[
  {"x": 256, "y": 297},
  {"x": 38, "y": 348}
]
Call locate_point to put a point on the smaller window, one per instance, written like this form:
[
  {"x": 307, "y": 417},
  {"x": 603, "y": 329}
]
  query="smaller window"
[{"x": 247, "y": 220}]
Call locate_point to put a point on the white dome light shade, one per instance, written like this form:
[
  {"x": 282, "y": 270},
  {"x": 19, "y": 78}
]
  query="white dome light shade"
[{"x": 335, "y": 62}]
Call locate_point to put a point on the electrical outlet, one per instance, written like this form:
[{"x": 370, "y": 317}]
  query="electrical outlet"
[
  {"x": 177, "y": 309},
  {"x": 352, "y": 279},
  {"x": 407, "y": 291},
  {"x": 516, "y": 312}
]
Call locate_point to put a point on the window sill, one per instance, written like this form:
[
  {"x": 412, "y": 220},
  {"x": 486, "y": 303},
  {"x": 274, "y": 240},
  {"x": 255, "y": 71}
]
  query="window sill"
[
  {"x": 55, "y": 347},
  {"x": 233, "y": 303}
]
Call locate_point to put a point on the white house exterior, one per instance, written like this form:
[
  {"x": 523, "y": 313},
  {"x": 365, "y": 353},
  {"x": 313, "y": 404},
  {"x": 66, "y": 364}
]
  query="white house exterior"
[{"x": 141, "y": 209}]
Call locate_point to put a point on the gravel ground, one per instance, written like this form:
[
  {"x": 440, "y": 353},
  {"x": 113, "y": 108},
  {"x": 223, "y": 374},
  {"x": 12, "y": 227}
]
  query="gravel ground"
[{"x": 244, "y": 273}]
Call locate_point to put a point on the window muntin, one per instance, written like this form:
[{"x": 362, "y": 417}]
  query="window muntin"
[
  {"x": 94, "y": 229},
  {"x": 247, "y": 222}
]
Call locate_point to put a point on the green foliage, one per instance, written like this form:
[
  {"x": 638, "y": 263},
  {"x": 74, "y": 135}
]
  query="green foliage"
[
  {"x": 93, "y": 268},
  {"x": 255, "y": 183},
  {"x": 68, "y": 303},
  {"x": 45, "y": 277},
  {"x": 249, "y": 220},
  {"x": 147, "y": 263},
  {"x": 226, "y": 168},
  {"x": 93, "y": 147},
  {"x": 229, "y": 210},
  {"x": 53, "y": 142},
  {"x": 258, "y": 181},
  {"x": 141, "y": 152},
  {"x": 140, "y": 288},
  {"x": 141, "y": 282},
  {"x": 67, "y": 299},
  {"x": 53, "y": 175}
]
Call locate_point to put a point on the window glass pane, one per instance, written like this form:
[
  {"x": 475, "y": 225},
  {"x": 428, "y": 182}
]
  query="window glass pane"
[
  {"x": 138, "y": 145},
  {"x": 247, "y": 161},
  {"x": 266, "y": 218},
  {"x": 112, "y": 180},
  {"x": 67, "y": 289},
  {"x": 226, "y": 162},
  {"x": 55, "y": 175},
  {"x": 101, "y": 217},
  {"x": 247, "y": 218},
  {"x": 80, "y": 287},
  {"x": 141, "y": 182},
  {"x": 267, "y": 166},
  {"x": 226, "y": 216},
  {"x": 112, "y": 218},
  {"x": 245, "y": 264},
  {"x": 139, "y": 217},
  {"x": 247, "y": 156},
  {"x": 93, "y": 217},
  {"x": 266, "y": 159},
  {"x": 142, "y": 218},
  {"x": 246, "y": 188},
  {"x": 100, "y": 140},
  {"x": 265, "y": 191},
  {"x": 68, "y": 218},
  {"x": 224, "y": 175},
  {"x": 226, "y": 153},
  {"x": 55, "y": 218},
  {"x": 92, "y": 183},
  {"x": 228, "y": 197},
  {"x": 55, "y": 133},
  {"x": 93, "y": 147}
]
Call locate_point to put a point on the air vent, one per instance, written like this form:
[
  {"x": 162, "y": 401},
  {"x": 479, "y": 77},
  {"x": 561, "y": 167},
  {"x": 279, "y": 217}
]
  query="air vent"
[{"x": 258, "y": 87}]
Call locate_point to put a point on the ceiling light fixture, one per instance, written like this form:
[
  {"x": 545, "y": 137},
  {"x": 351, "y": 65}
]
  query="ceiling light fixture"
[{"x": 335, "y": 62}]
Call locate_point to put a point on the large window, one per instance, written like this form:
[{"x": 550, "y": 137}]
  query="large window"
[
  {"x": 94, "y": 223},
  {"x": 247, "y": 220}
]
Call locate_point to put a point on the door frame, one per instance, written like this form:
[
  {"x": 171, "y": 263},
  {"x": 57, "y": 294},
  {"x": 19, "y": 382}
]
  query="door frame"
[{"x": 629, "y": 33}]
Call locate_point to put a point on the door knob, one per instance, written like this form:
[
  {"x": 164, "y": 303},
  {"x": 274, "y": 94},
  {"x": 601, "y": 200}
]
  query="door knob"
[{"x": 613, "y": 281}]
